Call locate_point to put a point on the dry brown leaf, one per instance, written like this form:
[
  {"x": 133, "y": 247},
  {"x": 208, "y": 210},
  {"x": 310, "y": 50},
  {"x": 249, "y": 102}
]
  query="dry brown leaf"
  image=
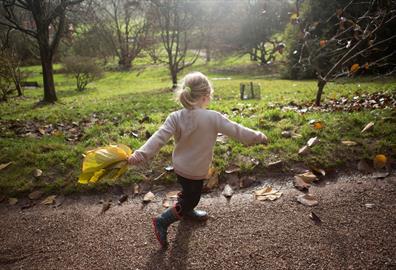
[
  {"x": 267, "y": 193},
  {"x": 380, "y": 161},
  {"x": 49, "y": 200},
  {"x": 307, "y": 199},
  {"x": 35, "y": 195},
  {"x": 12, "y": 201},
  {"x": 5, "y": 165},
  {"x": 232, "y": 169},
  {"x": 368, "y": 127},
  {"x": 148, "y": 197},
  {"x": 349, "y": 143},
  {"x": 380, "y": 175},
  {"x": 136, "y": 189},
  {"x": 172, "y": 194},
  {"x": 313, "y": 141},
  {"x": 37, "y": 173},
  {"x": 307, "y": 177},
  {"x": 319, "y": 171},
  {"x": 300, "y": 184},
  {"x": 122, "y": 199},
  {"x": 354, "y": 68},
  {"x": 315, "y": 218},
  {"x": 106, "y": 206},
  {"x": 213, "y": 178},
  {"x": 228, "y": 191}
]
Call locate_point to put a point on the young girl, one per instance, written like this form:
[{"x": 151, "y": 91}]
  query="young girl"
[{"x": 195, "y": 131}]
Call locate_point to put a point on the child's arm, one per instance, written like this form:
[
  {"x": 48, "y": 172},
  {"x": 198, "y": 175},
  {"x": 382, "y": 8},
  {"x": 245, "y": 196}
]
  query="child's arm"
[
  {"x": 243, "y": 134},
  {"x": 154, "y": 144}
]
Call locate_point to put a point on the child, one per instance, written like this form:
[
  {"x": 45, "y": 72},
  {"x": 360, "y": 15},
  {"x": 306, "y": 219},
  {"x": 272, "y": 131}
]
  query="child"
[{"x": 195, "y": 131}]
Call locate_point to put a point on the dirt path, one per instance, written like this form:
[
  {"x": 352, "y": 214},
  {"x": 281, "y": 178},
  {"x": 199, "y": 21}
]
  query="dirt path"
[{"x": 241, "y": 234}]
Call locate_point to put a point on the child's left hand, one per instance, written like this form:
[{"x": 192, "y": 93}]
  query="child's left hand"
[{"x": 135, "y": 159}]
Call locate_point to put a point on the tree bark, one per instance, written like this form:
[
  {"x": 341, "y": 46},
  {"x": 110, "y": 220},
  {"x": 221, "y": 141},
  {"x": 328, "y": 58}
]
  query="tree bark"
[
  {"x": 48, "y": 75},
  {"x": 125, "y": 62},
  {"x": 321, "y": 85},
  {"x": 174, "y": 77}
]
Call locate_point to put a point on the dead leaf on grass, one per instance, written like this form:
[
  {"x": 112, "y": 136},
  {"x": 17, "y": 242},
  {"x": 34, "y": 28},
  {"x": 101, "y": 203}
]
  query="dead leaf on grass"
[
  {"x": 307, "y": 199},
  {"x": 318, "y": 171},
  {"x": 49, "y": 200},
  {"x": 232, "y": 169},
  {"x": 148, "y": 197},
  {"x": 349, "y": 143},
  {"x": 368, "y": 127},
  {"x": 37, "y": 173},
  {"x": 5, "y": 165}
]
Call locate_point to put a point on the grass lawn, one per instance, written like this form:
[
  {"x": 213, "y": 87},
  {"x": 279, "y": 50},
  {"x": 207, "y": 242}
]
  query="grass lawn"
[{"x": 115, "y": 105}]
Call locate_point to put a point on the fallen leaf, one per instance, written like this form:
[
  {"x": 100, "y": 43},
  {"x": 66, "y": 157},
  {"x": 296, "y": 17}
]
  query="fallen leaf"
[
  {"x": 318, "y": 171},
  {"x": 49, "y": 200},
  {"x": 27, "y": 205},
  {"x": 213, "y": 178},
  {"x": 148, "y": 197},
  {"x": 228, "y": 191},
  {"x": 368, "y": 127},
  {"x": 122, "y": 199},
  {"x": 159, "y": 176},
  {"x": 307, "y": 199},
  {"x": 136, "y": 189},
  {"x": 5, "y": 165},
  {"x": 363, "y": 166},
  {"x": 286, "y": 134},
  {"x": 307, "y": 177},
  {"x": 106, "y": 206},
  {"x": 380, "y": 161},
  {"x": 267, "y": 193},
  {"x": 380, "y": 175},
  {"x": 276, "y": 165},
  {"x": 315, "y": 218},
  {"x": 313, "y": 141},
  {"x": 172, "y": 194},
  {"x": 35, "y": 195},
  {"x": 37, "y": 173},
  {"x": 304, "y": 150},
  {"x": 12, "y": 201},
  {"x": 354, "y": 68},
  {"x": 349, "y": 143},
  {"x": 232, "y": 169},
  {"x": 41, "y": 131},
  {"x": 300, "y": 184},
  {"x": 59, "y": 201},
  {"x": 317, "y": 124}
]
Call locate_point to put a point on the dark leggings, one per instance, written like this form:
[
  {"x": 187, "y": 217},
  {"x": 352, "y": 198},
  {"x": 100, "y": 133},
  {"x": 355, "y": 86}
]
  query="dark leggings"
[{"x": 190, "y": 195}]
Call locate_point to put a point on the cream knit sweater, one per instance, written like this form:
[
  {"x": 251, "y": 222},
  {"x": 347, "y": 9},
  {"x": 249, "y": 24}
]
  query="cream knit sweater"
[{"x": 195, "y": 132}]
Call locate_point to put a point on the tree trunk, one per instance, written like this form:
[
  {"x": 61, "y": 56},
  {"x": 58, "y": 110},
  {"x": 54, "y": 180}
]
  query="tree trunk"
[
  {"x": 321, "y": 85},
  {"x": 207, "y": 53},
  {"x": 48, "y": 75},
  {"x": 19, "y": 89},
  {"x": 125, "y": 62},
  {"x": 174, "y": 77}
]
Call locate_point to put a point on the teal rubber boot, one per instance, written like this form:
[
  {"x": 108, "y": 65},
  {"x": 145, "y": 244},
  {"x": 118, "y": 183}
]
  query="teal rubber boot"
[{"x": 161, "y": 224}]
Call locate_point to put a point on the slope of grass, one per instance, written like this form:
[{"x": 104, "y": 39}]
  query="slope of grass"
[{"x": 122, "y": 99}]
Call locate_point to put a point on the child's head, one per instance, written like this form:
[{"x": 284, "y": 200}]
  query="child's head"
[{"x": 194, "y": 89}]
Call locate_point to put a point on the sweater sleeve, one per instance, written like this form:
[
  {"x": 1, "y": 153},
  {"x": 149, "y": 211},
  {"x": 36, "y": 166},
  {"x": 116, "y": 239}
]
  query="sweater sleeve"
[
  {"x": 238, "y": 132},
  {"x": 157, "y": 140}
]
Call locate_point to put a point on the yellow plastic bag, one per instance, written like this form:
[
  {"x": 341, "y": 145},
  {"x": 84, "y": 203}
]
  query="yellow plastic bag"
[{"x": 109, "y": 161}]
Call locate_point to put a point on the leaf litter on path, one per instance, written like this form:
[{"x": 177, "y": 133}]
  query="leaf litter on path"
[
  {"x": 49, "y": 200},
  {"x": 227, "y": 191},
  {"x": 5, "y": 165},
  {"x": 316, "y": 219},
  {"x": 307, "y": 199},
  {"x": 267, "y": 193},
  {"x": 148, "y": 197},
  {"x": 123, "y": 198}
]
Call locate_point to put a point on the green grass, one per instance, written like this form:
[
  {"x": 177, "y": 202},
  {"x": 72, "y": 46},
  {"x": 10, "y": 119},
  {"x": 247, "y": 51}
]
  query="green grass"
[{"x": 122, "y": 99}]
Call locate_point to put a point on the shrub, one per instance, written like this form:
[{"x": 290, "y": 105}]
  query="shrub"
[{"x": 84, "y": 69}]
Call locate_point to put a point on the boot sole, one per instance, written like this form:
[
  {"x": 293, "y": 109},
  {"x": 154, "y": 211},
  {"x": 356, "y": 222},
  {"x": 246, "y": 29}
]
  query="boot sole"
[{"x": 154, "y": 221}]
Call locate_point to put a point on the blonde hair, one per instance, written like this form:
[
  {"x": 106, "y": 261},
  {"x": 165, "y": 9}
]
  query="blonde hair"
[{"x": 192, "y": 87}]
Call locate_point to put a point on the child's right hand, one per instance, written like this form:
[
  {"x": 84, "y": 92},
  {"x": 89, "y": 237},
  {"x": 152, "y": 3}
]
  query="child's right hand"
[
  {"x": 264, "y": 139},
  {"x": 135, "y": 159}
]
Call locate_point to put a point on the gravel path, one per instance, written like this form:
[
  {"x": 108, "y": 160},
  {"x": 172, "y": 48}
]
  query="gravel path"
[{"x": 241, "y": 234}]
